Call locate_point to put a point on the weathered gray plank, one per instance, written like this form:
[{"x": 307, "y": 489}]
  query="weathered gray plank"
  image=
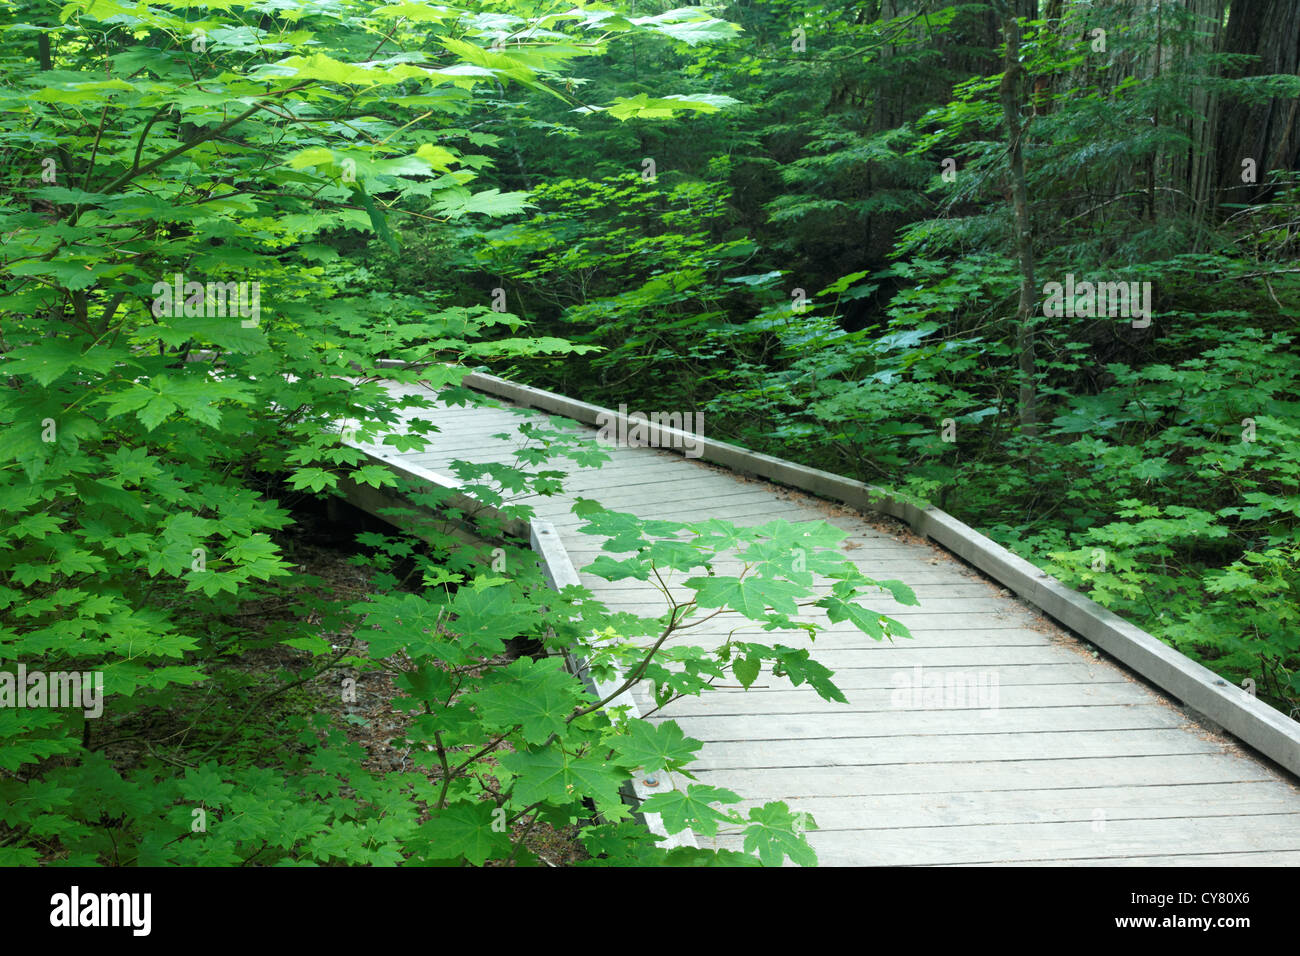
[
  {"x": 873, "y": 751},
  {"x": 1175, "y": 859},
  {"x": 753, "y": 510},
  {"x": 849, "y": 637},
  {"x": 1012, "y": 843},
  {"x": 1055, "y": 773},
  {"x": 975, "y": 620},
  {"x": 850, "y": 679},
  {"x": 774, "y": 704},
  {"x": 902, "y": 659},
  {"x": 910, "y": 723},
  {"x": 1082, "y": 804}
]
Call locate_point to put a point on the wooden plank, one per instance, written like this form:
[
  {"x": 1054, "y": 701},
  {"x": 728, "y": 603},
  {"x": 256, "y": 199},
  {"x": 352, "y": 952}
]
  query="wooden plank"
[
  {"x": 928, "y": 631},
  {"x": 707, "y": 495},
  {"x": 927, "y": 594},
  {"x": 773, "y": 704},
  {"x": 1013, "y": 843},
  {"x": 860, "y": 678},
  {"x": 776, "y": 696},
  {"x": 1082, "y": 804},
  {"x": 1176, "y": 859},
  {"x": 621, "y": 472},
  {"x": 838, "y": 637},
  {"x": 929, "y": 619},
  {"x": 886, "y": 549},
  {"x": 874, "y": 751},
  {"x": 903, "y": 660},
  {"x": 752, "y": 509},
  {"x": 1053, "y": 773},
  {"x": 477, "y": 447},
  {"x": 621, "y": 469},
  {"x": 912, "y": 723},
  {"x": 623, "y": 592},
  {"x": 913, "y": 573},
  {"x": 584, "y": 549},
  {"x": 906, "y": 723}
]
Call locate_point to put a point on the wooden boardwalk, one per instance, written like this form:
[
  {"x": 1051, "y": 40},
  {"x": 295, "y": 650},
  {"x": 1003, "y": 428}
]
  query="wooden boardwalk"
[{"x": 1052, "y": 757}]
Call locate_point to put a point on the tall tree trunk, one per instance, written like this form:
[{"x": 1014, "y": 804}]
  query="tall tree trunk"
[
  {"x": 1198, "y": 173},
  {"x": 1010, "y": 93},
  {"x": 1267, "y": 132}
]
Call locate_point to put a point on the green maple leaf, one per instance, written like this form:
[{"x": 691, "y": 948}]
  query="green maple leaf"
[
  {"x": 867, "y": 621},
  {"x": 374, "y": 475},
  {"x": 717, "y": 535},
  {"x": 131, "y": 465},
  {"x": 772, "y": 834},
  {"x": 606, "y": 567},
  {"x": 804, "y": 534},
  {"x": 535, "y": 694},
  {"x": 691, "y": 809},
  {"x": 680, "y": 555},
  {"x": 487, "y": 614},
  {"x": 174, "y": 557},
  {"x": 554, "y": 777},
  {"x": 655, "y": 747},
  {"x": 750, "y": 596},
  {"x": 45, "y": 361},
  {"x": 901, "y": 592},
  {"x": 402, "y": 622},
  {"x": 205, "y": 785},
  {"x": 155, "y": 412},
  {"x": 472, "y": 831},
  {"x": 747, "y": 670},
  {"x": 458, "y": 201},
  {"x": 796, "y": 664},
  {"x": 212, "y": 584},
  {"x": 128, "y": 400},
  {"x": 690, "y": 26},
  {"x": 314, "y": 479},
  {"x": 36, "y": 526}
]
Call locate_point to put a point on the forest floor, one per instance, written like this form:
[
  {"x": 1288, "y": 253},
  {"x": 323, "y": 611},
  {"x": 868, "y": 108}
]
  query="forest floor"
[
  {"x": 324, "y": 554},
  {"x": 323, "y": 549}
]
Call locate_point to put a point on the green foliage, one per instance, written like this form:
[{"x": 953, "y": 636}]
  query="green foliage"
[
  {"x": 155, "y": 411},
  {"x": 218, "y": 220}
]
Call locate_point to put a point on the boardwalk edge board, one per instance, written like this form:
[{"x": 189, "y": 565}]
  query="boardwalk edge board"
[
  {"x": 1197, "y": 687},
  {"x": 559, "y": 572}
]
